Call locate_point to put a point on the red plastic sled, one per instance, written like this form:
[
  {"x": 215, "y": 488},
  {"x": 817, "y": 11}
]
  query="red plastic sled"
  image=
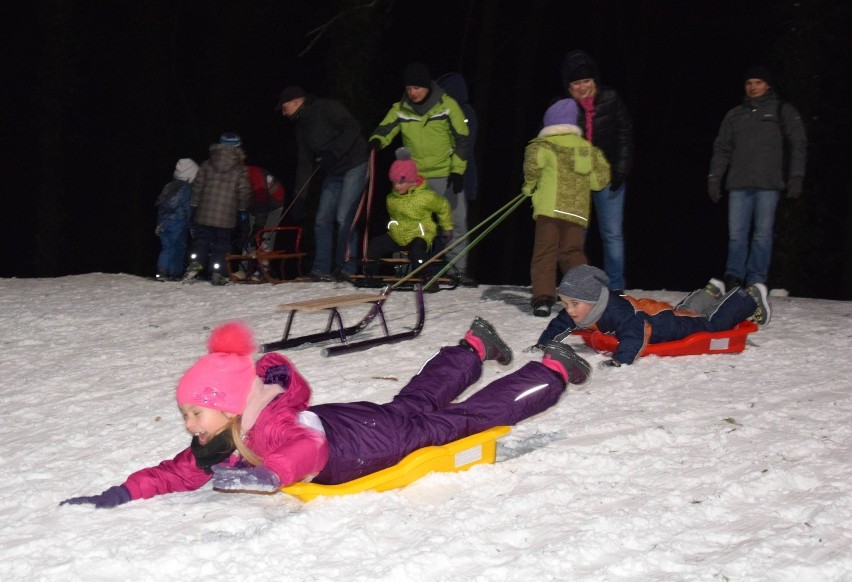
[{"x": 722, "y": 342}]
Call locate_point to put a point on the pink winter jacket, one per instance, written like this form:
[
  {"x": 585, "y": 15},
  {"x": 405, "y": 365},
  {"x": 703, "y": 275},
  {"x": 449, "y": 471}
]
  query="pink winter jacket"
[{"x": 292, "y": 450}]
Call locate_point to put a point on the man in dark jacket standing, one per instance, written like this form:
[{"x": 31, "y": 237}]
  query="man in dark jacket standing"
[
  {"x": 328, "y": 135},
  {"x": 606, "y": 123},
  {"x": 750, "y": 148}
]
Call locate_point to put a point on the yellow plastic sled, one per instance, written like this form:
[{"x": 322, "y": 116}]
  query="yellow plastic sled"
[{"x": 455, "y": 456}]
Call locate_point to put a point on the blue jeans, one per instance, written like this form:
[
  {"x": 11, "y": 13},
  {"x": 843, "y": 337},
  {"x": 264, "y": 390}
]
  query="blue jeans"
[
  {"x": 609, "y": 212},
  {"x": 338, "y": 203},
  {"x": 750, "y": 264},
  {"x": 458, "y": 203}
]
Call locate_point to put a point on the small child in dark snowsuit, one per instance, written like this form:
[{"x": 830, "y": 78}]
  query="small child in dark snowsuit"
[
  {"x": 639, "y": 322},
  {"x": 173, "y": 212},
  {"x": 253, "y": 428}
]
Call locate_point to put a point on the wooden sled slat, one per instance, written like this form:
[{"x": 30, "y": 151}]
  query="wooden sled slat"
[
  {"x": 264, "y": 259},
  {"x": 722, "y": 342},
  {"x": 458, "y": 455}
]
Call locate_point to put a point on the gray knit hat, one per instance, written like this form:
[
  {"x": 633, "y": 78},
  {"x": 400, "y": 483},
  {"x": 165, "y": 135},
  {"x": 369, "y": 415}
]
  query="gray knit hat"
[{"x": 583, "y": 283}]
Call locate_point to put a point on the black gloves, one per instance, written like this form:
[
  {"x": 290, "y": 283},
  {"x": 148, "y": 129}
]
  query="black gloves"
[
  {"x": 456, "y": 181},
  {"x": 714, "y": 191},
  {"x": 794, "y": 187},
  {"x": 615, "y": 183},
  {"x": 375, "y": 145}
]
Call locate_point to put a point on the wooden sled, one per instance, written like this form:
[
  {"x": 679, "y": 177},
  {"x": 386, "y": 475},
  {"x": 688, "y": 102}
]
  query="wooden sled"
[
  {"x": 455, "y": 456},
  {"x": 266, "y": 260},
  {"x": 340, "y": 331},
  {"x": 722, "y": 342}
]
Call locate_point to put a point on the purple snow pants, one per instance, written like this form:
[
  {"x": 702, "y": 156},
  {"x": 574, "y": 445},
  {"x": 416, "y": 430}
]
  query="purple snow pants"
[{"x": 364, "y": 437}]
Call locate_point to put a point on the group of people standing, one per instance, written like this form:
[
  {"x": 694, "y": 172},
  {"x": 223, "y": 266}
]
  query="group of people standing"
[
  {"x": 584, "y": 153},
  {"x": 578, "y": 163}
]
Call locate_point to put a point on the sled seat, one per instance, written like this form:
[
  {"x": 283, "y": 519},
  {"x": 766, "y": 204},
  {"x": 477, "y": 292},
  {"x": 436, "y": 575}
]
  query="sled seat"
[
  {"x": 265, "y": 259},
  {"x": 722, "y": 342},
  {"x": 455, "y": 456}
]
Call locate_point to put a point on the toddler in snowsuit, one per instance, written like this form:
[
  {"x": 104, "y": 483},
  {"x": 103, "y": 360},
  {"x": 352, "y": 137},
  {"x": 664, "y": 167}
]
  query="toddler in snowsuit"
[
  {"x": 173, "y": 212},
  {"x": 411, "y": 206},
  {"x": 589, "y": 304},
  {"x": 253, "y": 428},
  {"x": 560, "y": 171}
]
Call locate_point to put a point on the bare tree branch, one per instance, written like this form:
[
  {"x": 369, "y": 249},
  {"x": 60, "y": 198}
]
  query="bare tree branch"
[{"x": 318, "y": 31}]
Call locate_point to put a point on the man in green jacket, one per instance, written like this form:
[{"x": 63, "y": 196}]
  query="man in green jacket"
[{"x": 435, "y": 131}]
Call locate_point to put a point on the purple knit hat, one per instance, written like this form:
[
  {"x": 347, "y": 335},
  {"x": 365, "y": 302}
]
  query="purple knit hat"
[{"x": 563, "y": 112}]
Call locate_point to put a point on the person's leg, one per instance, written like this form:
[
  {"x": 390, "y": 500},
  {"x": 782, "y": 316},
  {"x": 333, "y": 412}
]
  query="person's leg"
[
  {"x": 571, "y": 243},
  {"x": 324, "y": 225},
  {"x": 458, "y": 203},
  {"x": 378, "y": 247},
  {"x": 178, "y": 252},
  {"x": 609, "y": 211},
  {"x": 740, "y": 211},
  {"x": 736, "y": 306},
  {"x": 760, "y": 252},
  {"x": 352, "y": 187},
  {"x": 220, "y": 246},
  {"x": 200, "y": 249},
  {"x": 544, "y": 259}
]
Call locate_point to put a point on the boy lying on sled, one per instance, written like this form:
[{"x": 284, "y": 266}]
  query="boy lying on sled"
[
  {"x": 253, "y": 429},
  {"x": 589, "y": 304}
]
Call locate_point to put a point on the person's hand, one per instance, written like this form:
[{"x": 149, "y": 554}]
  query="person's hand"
[
  {"x": 159, "y": 230},
  {"x": 794, "y": 187},
  {"x": 534, "y": 349},
  {"x": 714, "y": 191},
  {"x": 609, "y": 364},
  {"x": 615, "y": 183},
  {"x": 258, "y": 479},
  {"x": 375, "y": 145},
  {"x": 117, "y": 495},
  {"x": 456, "y": 182}
]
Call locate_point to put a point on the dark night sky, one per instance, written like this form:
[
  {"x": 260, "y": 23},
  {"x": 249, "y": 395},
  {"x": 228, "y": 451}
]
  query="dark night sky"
[{"x": 106, "y": 96}]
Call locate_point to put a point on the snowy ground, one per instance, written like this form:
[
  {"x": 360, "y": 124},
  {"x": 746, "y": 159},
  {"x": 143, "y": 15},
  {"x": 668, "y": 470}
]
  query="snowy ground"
[{"x": 724, "y": 467}]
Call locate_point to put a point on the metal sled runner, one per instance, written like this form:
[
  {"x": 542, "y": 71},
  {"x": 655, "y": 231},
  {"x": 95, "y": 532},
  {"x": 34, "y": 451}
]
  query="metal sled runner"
[
  {"x": 455, "y": 456},
  {"x": 335, "y": 329}
]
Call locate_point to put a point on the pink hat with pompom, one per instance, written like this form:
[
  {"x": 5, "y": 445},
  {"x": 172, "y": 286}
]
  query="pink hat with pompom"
[
  {"x": 223, "y": 378},
  {"x": 403, "y": 169}
]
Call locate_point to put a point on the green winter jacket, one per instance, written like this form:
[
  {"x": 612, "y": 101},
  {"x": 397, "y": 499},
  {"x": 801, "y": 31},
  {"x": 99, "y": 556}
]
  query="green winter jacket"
[
  {"x": 435, "y": 131},
  {"x": 411, "y": 215},
  {"x": 561, "y": 169}
]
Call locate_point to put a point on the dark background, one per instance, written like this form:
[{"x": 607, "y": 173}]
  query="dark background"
[{"x": 102, "y": 98}]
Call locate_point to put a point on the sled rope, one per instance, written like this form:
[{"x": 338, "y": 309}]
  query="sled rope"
[
  {"x": 299, "y": 193},
  {"x": 496, "y": 218}
]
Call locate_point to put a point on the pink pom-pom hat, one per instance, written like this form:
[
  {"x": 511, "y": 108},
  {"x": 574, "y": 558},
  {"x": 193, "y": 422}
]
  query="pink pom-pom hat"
[{"x": 223, "y": 378}]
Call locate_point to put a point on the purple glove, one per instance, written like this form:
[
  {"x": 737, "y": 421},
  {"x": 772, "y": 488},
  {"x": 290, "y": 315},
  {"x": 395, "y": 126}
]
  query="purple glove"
[
  {"x": 118, "y": 495},
  {"x": 258, "y": 479}
]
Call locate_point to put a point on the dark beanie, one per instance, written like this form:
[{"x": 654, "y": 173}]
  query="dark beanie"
[
  {"x": 758, "y": 73},
  {"x": 582, "y": 71},
  {"x": 288, "y": 94},
  {"x": 417, "y": 75}
]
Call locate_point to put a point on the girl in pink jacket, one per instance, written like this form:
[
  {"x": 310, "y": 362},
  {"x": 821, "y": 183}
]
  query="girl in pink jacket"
[{"x": 253, "y": 430}]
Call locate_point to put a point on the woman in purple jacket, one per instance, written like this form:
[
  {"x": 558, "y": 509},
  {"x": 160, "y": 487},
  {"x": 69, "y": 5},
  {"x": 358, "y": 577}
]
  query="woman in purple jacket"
[{"x": 254, "y": 431}]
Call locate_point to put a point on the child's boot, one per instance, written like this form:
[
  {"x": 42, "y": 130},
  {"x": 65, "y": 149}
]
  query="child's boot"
[
  {"x": 483, "y": 339},
  {"x": 561, "y": 359},
  {"x": 760, "y": 295}
]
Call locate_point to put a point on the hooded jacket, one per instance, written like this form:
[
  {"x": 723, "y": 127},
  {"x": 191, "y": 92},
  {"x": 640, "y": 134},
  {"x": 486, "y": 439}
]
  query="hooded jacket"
[
  {"x": 290, "y": 449},
  {"x": 221, "y": 188},
  {"x": 560, "y": 171},
  {"x": 411, "y": 215},
  {"x": 434, "y": 131}
]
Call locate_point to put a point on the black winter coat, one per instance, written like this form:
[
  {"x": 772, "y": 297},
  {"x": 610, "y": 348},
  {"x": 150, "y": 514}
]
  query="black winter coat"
[{"x": 612, "y": 129}]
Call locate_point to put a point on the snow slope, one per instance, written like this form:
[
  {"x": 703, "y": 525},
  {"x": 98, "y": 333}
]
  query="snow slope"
[{"x": 724, "y": 467}]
